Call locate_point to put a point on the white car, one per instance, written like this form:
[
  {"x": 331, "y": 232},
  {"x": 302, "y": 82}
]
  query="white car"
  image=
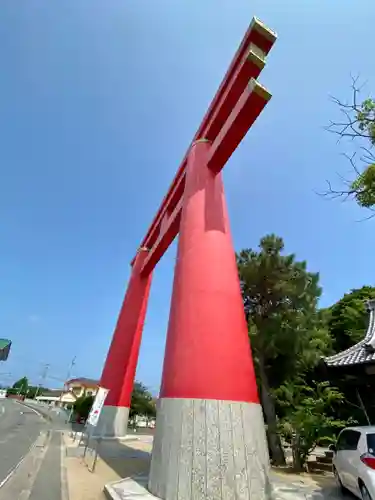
[{"x": 354, "y": 461}]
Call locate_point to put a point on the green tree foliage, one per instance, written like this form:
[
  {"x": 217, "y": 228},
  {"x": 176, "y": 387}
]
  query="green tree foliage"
[
  {"x": 21, "y": 383},
  {"x": 365, "y": 116},
  {"x": 20, "y": 387},
  {"x": 364, "y": 187},
  {"x": 348, "y": 318},
  {"x": 308, "y": 416},
  {"x": 83, "y": 406},
  {"x": 34, "y": 391},
  {"x": 23, "y": 388},
  {"x": 286, "y": 330},
  {"x": 142, "y": 402},
  {"x": 12, "y": 391}
]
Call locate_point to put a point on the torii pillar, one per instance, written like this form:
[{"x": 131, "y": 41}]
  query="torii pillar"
[
  {"x": 121, "y": 363},
  {"x": 210, "y": 440}
]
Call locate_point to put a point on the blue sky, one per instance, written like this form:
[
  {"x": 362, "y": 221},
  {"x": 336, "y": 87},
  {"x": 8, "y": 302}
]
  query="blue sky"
[{"x": 98, "y": 103}]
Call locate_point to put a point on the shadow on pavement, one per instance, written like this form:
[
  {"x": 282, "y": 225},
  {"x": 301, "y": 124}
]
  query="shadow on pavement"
[
  {"x": 130, "y": 460},
  {"x": 123, "y": 459},
  {"x": 306, "y": 487},
  {"x": 127, "y": 461}
]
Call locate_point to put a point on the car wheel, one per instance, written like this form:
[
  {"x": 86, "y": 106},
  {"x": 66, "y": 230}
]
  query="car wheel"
[
  {"x": 364, "y": 492},
  {"x": 338, "y": 481}
]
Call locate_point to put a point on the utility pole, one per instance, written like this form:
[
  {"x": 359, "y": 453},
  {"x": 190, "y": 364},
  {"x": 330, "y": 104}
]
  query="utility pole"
[
  {"x": 72, "y": 363},
  {"x": 43, "y": 377},
  {"x": 21, "y": 388}
]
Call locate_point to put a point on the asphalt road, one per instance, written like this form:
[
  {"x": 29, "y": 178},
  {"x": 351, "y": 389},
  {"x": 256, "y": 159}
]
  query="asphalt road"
[{"x": 19, "y": 428}]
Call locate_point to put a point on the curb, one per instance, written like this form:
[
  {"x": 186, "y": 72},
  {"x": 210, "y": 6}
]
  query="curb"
[
  {"x": 64, "y": 472},
  {"x": 125, "y": 439},
  {"x": 38, "y": 411}
]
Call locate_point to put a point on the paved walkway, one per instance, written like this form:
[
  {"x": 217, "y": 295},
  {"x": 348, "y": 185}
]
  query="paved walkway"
[
  {"x": 294, "y": 487},
  {"x": 49, "y": 481},
  {"x": 55, "y": 468},
  {"x": 39, "y": 476},
  {"x": 19, "y": 428},
  {"x": 117, "y": 461}
]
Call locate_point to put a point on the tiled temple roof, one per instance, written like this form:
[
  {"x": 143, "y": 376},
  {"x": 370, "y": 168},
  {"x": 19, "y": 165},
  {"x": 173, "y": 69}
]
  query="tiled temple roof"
[{"x": 364, "y": 351}]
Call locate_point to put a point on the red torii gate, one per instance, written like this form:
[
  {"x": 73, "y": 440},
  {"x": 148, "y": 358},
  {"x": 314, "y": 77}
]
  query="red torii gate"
[{"x": 210, "y": 439}]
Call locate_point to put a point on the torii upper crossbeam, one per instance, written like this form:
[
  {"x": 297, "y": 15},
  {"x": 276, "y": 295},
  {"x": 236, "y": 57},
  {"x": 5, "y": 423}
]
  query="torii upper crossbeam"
[
  {"x": 237, "y": 89},
  {"x": 210, "y": 440}
]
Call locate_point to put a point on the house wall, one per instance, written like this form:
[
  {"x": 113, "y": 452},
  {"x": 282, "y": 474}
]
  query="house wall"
[
  {"x": 80, "y": 390},
  {"x": 66, "y": 399}
]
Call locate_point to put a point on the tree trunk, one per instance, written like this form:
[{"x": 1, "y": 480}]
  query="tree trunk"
[
  {"x": 268, "y": 404},
  {"x": 296, "y": 453}
]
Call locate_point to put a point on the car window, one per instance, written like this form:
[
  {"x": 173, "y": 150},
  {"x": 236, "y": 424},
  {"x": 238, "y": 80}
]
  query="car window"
[
  {"x": 371, "y": 443},
  {"x": 341, "y": 443},
  {"x": 348, "y": 440}
]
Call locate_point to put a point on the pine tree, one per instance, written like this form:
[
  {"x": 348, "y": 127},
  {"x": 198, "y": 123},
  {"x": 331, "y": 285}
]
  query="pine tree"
[{"x": 286, "y": 330}]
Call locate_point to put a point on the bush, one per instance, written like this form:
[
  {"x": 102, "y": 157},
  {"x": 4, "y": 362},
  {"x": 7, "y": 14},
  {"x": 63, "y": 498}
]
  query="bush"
[{"x": 83, "y": 406}]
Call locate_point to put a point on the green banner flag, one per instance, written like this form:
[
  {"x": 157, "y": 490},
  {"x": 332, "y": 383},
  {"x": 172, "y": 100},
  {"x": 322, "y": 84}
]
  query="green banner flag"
[{"x": 4, "y": 349}]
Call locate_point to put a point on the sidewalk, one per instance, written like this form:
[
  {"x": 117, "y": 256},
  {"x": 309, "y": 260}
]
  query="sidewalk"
[
  {"x": 38, "y": 475},
  {"x": 115, "y": 461},
  {"x": 130, "y": 458}
]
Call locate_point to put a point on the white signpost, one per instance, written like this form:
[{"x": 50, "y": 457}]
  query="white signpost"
[
  {"x": 97, "y": 406},
  {"x": 3, "y": 393},
  {"x": 92, "y": 421}
]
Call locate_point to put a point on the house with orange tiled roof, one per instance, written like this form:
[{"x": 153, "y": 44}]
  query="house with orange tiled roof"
[{"x": 82, "y": 386}]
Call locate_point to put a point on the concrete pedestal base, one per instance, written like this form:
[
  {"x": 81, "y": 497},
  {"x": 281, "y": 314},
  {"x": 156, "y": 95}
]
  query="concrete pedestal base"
[
  {"x": 211, "y": 450},
  {"x": 129, "y": 489},
  {"x": 113, "y": 422}
]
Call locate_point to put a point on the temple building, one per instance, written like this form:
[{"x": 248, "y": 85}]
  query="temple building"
[{"x": 355, "y": 369}]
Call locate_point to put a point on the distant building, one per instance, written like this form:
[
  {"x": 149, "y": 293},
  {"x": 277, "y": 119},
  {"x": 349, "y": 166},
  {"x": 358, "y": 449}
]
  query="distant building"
[
  {"x": 82, "y": 386},
  {"x": 57, "y": 397},
  {"x": 73, "y": 389}
]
